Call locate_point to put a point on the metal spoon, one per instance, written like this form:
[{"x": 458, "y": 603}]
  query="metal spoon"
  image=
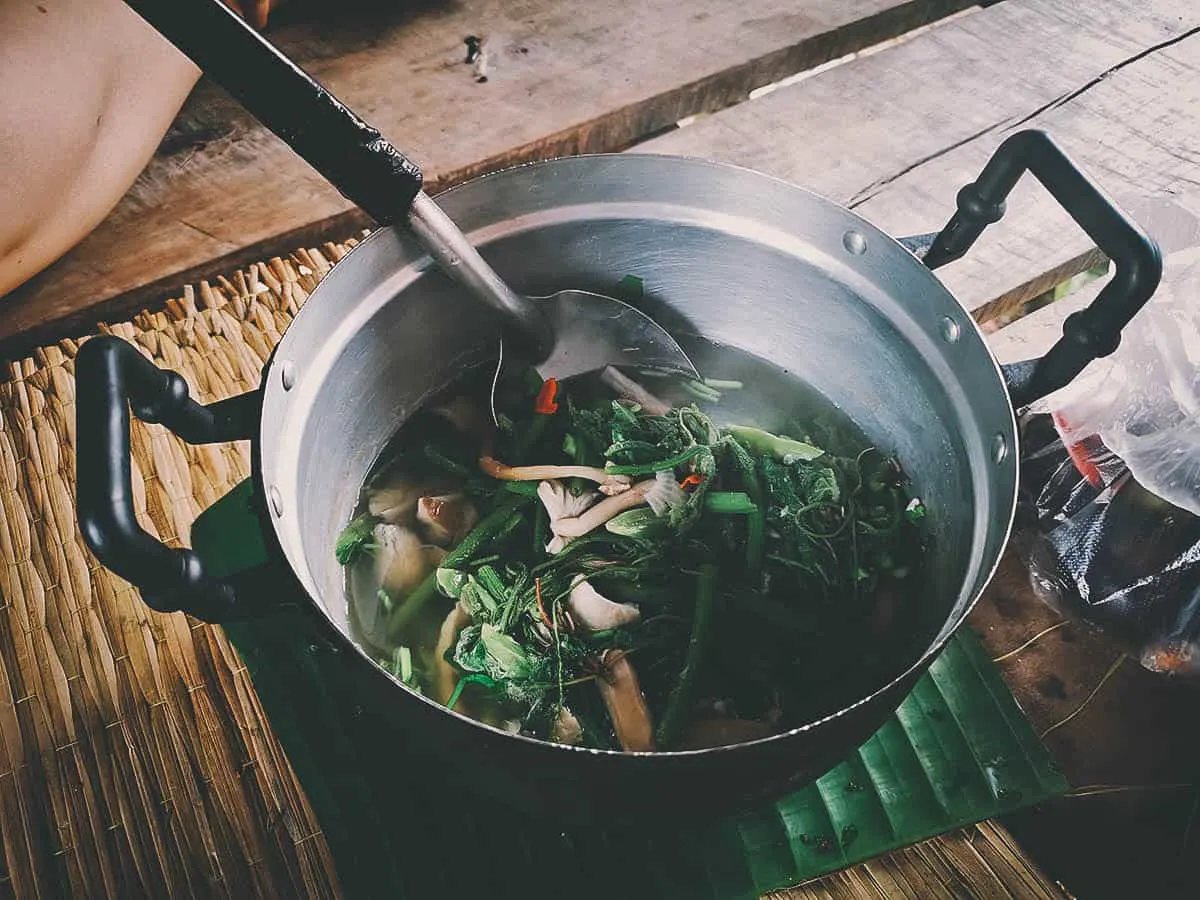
[
  {"x": 584, "y": 332},
  {"x": 569, "y": 333}
]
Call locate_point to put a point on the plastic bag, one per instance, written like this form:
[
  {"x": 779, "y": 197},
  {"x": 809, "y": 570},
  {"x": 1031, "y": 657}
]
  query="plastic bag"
[
  {"x": 1104, "y": 550},
  {"x": 1110, "y": 473},
  {"x": 1143, "y": 402}
]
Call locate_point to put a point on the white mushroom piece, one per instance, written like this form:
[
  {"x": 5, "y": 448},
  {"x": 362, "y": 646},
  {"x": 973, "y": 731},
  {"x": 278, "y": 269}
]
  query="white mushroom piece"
[
  {"x": 445, "y": 676},
  {"x": 561, "y": 504},
  {"x": 607, "y": 482},
  {"x": 402, "y": 559},
  {"x": 594, "y": 611},
  {"x": 625, "y": 702},
  {"x": 628, "y": 389},
  {"x": 566, "y": 728},
  {"x": 393, "y": 497},
  {"x": 446, "y": 519},
  {"x": 660, "y": 493}
]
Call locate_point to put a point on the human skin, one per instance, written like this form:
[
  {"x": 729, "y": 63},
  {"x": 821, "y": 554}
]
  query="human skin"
[{"x": 87, "y": 91}]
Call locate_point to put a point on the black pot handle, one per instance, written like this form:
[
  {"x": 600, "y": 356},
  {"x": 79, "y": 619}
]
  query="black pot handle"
[
  {"x": 353, "y": 156},
  {"x": 1090, "y": 333},
  {"x": 111, "y": 377}
]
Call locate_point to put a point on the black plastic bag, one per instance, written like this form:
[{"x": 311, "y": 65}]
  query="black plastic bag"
[{"x": 1104, "y": 550}]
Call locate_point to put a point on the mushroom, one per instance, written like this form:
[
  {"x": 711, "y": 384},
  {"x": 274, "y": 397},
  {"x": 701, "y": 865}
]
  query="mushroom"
[
  {"x": 561, "y": 504},
  {"x": 446, "y": 518},
  {"x": 445, "y": 676},
  {"x": 626, "y": 705},
  {"x": 402, "y": 561},
  {"x": 660, "y": 493},
  {"x": 609, "y": 483},
  {"x": 628, "y": 389},
  {"x": 566, "y": 728},
  {"x": 596, "y": 612},
  {"x": 395, "y": 499}
]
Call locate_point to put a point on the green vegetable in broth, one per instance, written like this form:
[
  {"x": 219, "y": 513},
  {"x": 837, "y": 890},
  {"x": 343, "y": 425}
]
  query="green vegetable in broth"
[
  {"x": 354, "y": 539},
  {"x": 614, "y": 568}
]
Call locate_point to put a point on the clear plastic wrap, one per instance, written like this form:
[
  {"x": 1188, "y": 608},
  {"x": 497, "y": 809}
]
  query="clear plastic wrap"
[
  {"x": 1143, "y": 402},
  {"x": 1110, "y": 524}
]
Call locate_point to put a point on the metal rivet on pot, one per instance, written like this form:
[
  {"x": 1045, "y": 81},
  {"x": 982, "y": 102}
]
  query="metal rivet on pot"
[
  {"x": 276, "y": 500},
  {"x": 999, "y": 449},
  {"x": 287, "y": 374},
  {"x": 950, "y": 330},
  {"x": 854, "y": 242}
]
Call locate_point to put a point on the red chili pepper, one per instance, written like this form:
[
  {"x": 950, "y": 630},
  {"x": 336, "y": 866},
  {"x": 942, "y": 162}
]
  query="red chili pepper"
[
  {"x": 1078, "y": 451},
  {"x": 537, "y": 593},
  {"x": 692, "y": 481},
  {"x": 545, "y": 404}
]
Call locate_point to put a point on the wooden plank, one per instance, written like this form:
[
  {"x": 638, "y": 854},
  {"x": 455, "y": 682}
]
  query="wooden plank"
[
  {"x": 565, "y": 77},
  {"x": 894, "y": 135},
  {"x": 1173, "y": 226},
  {"x": 1034, "y": 334}
]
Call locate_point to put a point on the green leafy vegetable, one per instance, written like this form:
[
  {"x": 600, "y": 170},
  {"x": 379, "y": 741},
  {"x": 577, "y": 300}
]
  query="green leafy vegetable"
[
  {"x": 784, "y": 449},
  {"x": 473, "y": 678},
  {"x": 355, "y": 539},
  {"x": 506, "y": 658},
  {"x": 729, "y": 503},
  {"x": 642, "y": 522}
]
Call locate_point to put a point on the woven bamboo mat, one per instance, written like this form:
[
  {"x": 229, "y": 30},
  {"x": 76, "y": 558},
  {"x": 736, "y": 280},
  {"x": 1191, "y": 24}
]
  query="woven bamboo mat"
[{"x": 135, "y": 758}]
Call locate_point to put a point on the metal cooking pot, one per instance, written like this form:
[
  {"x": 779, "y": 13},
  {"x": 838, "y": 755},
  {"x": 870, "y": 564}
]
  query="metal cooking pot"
[{"x": 728, "y": 254}]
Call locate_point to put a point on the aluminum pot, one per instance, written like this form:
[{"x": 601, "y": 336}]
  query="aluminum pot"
[{"x": 727, "y": 254}]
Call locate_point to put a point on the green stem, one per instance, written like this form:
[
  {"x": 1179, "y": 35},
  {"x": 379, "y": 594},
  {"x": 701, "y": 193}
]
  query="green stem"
[
  {"x": 679, "y": 703},
  {"x": 661, "y": 466},
  {"x": 541, "y": 533},
  {"x": 532, "y": 434},
  {"x": 525, "y": 489},
  {"x": 503, "y": 518},
  {"x": 403, "y": 614},
  {"x": 644, "y": 447},
  {"x": 500, "y": 521},
  {"x": 782, "y": 448},
  {"x": 474, "y": 677},
  {"x": 702, "y": 392},
  {"x": 756, "y": 523},
  {"x": 442, "y": 461},
  {"x": 730, "y": 503}
]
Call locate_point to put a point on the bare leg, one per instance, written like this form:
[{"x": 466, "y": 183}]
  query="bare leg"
[{"x": 87, "y": 90}]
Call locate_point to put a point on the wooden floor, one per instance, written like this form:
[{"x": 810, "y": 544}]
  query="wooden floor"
[
  {"x": 567, "y": 76},
  {"x": 891, "y": 133}
]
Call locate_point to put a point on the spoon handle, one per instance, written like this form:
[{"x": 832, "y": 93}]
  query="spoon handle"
[
  {"x": 348, "y": 152},
  {"x": 353, "y": 156},
  {"x": 459, "y": 259}
]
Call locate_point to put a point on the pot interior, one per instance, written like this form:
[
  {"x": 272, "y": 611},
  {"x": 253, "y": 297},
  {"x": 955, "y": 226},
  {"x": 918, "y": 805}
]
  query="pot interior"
[{"x": 738, "y": 258}]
